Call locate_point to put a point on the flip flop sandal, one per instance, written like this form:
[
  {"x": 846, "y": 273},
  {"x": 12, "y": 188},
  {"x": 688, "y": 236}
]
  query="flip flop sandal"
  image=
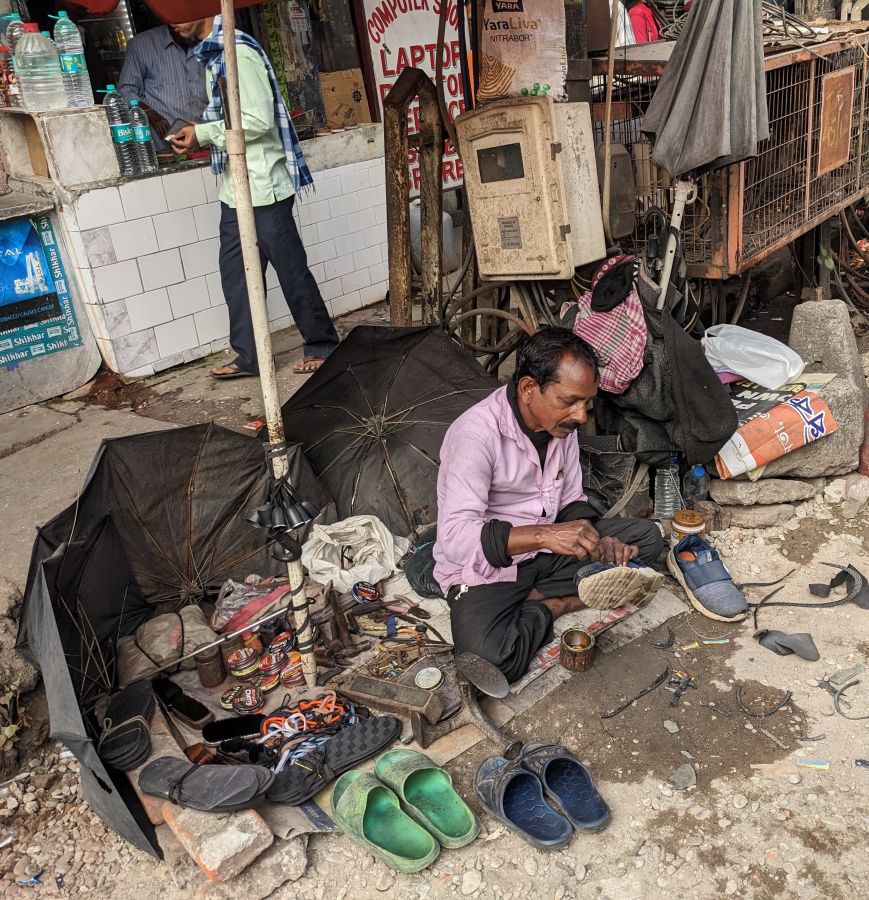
[
  {"x": 568, "y": 784},
  {"x": 125, "y": 741},
  {"x": 514, "y": 796},
  {"x": 244, "y": 727},
  {"x": 205, "y": 788},
  {"x": 308, "y": 774},
  {"x": 427, "y": 796},
  {"x": 371, "y": 816},
  {"x": 238, "y": 373},
  {"x": 605, "y": 586},
  {"x": 184, "y": 707},
  {"x": 786, "y": 644},
  {"x": 125, "y": 746}
]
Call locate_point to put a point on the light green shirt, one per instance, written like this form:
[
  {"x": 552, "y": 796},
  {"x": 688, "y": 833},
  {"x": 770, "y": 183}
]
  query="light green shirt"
[{"x": 266, "y": 157}]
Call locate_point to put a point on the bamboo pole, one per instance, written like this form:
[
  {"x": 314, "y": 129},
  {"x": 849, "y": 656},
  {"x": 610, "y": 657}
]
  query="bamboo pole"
[{"x": 235, "y": 148}]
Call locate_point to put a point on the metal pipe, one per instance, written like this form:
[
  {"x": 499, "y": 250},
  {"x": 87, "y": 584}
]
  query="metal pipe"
[
  {"x": 235, "y": 148},
  {"x": 684, "y": 189},
  {"x": 608, "y": 135}
]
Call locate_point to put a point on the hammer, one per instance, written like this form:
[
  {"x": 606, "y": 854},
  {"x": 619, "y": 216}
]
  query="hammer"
[{"x": 475, "y": 674}]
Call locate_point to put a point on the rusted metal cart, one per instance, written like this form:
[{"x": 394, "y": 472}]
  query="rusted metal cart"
[{"x": 814, "y": 164}]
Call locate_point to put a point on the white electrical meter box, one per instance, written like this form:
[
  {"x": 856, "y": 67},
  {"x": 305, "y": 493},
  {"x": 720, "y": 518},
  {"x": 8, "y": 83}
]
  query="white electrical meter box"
[{"x": 535, "y": 214}]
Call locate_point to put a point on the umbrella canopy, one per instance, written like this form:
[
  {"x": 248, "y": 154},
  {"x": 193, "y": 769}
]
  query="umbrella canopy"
[
  {"x": 159, "y": 524},
  {"x": 373, "y": 417},
  {"x": 709, "y": 109}
]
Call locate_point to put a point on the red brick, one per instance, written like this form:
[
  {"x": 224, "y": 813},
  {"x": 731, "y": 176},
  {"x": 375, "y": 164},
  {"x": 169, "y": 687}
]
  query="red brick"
[{"x": 222, "y": 844}]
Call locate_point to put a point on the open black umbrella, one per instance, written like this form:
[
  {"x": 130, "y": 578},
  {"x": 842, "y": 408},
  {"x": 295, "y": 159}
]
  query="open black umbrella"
[
  {"x": 709, "y": 109},
  {"x": 160, "y": 524},
  {"x": 373, "y": 417}
]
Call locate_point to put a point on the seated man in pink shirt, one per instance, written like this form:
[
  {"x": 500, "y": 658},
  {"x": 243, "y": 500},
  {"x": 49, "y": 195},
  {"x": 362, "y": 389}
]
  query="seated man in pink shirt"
[{"x": 514, "y": 526}]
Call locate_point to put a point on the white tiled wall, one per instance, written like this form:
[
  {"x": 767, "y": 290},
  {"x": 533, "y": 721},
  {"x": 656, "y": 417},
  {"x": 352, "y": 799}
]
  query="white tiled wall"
[{"x": 146, "y": 255}]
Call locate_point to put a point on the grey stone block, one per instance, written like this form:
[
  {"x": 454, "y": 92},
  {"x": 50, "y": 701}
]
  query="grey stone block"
[
  {"x": 767, "y": 491},
  {"x": 759, "y": 516}
]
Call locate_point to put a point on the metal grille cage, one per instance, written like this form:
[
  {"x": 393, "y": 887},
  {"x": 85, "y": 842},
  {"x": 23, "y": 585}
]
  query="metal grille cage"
[{"x": 815, "y": 162}]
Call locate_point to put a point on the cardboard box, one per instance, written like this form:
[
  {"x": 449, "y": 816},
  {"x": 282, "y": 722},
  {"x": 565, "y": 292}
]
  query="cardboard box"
[{"x": 344, "y": 98}]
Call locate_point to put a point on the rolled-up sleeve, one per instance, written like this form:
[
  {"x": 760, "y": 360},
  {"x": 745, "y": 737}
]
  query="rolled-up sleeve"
[{"x": 464, "y": 481}]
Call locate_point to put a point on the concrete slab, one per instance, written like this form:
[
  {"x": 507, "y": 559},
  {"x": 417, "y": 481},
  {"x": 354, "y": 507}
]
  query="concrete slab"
[{"x": 50, "y": 454}]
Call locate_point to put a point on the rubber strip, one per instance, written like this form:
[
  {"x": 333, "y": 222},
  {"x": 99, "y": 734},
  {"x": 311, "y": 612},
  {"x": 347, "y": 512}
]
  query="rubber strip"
[
  {"x": 610, "y": 713},
  {"x": 767, "y": 713}
]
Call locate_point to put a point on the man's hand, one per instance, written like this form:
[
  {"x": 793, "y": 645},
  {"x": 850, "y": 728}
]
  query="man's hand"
[
  {"x": 614, "y": 551},
  {"x": 184, "y": 140},
  {"x": 577, "y": 538},
  {"x": 159, "y": 125}
]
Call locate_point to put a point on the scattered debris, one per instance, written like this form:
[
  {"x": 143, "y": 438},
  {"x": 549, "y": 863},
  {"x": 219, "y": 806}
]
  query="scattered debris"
[
  {"x": 610, "y": 713},
  {"x": 863, "y": 763},
  {"x": 774, "y": 739},
  {"x": 785, "y": 701},
  {"x": 668, "y": 643},
  {"x": 681, "y": 681},
  {"x": 813, "y": 764},
  {"x": 684, "y": 777},
  {"x": 740, "y": 801},
  {"x": 671, "y": 726}
]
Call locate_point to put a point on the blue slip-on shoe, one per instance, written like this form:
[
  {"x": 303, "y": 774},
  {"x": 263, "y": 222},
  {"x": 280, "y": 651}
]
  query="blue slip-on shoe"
[
  {"x": 514, "y": 796},
  {"x": 568, "y": 784},
  {"x": 697, "y": 566}
]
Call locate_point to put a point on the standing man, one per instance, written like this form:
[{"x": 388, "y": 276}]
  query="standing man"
[
  {"x": 162, "y": 72},
  {"x": 277, "y": 171},
  {"x": 514, "y": 526}
]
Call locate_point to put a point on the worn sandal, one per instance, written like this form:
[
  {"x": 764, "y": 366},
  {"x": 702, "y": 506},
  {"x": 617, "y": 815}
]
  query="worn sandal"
[
  {"x": 567, "y": 783},
  {"x": 206, "y": 788},
  {"x": 427, "y": 795},
  {"x": 125, "y": 740},
  {"x": 308, "y": 774},
  {"x": 514, "y": 796},
  {"x": 370, "y": 815}
]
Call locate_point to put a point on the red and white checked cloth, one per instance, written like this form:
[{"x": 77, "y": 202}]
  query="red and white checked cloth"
[{"x": 618, "y": 337}]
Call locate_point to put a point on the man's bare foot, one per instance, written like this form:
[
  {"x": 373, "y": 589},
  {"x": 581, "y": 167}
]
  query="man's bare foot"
[{"x": 561, "y": 606}]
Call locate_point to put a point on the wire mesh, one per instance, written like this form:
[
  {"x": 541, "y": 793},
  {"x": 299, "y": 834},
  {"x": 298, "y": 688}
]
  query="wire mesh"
[{"x": 782, "y": 188}]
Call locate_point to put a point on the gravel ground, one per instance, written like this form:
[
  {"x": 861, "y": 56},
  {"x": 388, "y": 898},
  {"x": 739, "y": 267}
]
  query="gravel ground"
[{"x": 779, "y": 830}]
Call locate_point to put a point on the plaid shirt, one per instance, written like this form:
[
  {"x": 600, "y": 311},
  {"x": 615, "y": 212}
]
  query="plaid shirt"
[{"x": 618, "y": 337}]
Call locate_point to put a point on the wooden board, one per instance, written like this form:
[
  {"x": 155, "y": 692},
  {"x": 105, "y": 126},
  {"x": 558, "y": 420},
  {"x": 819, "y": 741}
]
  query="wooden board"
[{"x": 837, "y": 108}]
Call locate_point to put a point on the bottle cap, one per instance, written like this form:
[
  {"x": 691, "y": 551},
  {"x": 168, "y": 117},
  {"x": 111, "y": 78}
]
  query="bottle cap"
[
  {"x": 62, "y": 14},
  {"x": 14, "y": 17},
  {"x": 46, "y": 34},
  {"x": 4, "y": 48},
  {"x": 110, "y": 88},
  {"x": 134, "y": 103},
  {"x": 31, "y": 28},
  {"x": 698, "y": 471}
]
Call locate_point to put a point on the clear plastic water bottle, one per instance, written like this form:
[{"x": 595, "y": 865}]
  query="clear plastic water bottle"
[
  {"x": 38, "y": 69},
  {"x": 118, "y": 114},
  {"x": 72, "y": 63},
  {"x": 695, "y": 486},
  {"x": 14, "y": 30},
  {"x": 146, "y": 152},
  {"x": 668, "y": 499}
]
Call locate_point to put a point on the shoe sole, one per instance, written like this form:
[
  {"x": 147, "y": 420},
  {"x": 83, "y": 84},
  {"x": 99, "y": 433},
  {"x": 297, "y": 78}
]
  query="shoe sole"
[
  {"x": 676, "y": 572},
  {"x": 603, "y": 598}
]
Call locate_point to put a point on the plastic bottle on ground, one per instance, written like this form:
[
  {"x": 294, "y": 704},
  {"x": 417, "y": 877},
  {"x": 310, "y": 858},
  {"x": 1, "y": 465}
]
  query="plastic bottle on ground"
[
  {"x": 668, "y": 498},
  {"x": 146, "y": 152},
  {"x": 695, "y": 486},
  {"x": 118, "y": 114},
  {"x": 73, "y": 67},
  {"x": 38, "y": 69}
]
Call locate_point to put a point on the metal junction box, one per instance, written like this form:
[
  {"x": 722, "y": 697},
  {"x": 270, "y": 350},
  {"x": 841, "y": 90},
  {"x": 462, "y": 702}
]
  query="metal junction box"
[{"x": 513, "y": 152}]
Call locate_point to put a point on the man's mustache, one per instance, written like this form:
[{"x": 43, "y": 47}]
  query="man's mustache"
[{"x": 569, "y": 426}]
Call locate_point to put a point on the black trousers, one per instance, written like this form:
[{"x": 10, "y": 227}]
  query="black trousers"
[
  {"x": 280, "y": 245},
  {"x": 499, "y": 622}
]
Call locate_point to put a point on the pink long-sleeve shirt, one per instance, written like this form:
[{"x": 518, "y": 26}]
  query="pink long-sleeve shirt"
[{"x": 490, "y": 470}]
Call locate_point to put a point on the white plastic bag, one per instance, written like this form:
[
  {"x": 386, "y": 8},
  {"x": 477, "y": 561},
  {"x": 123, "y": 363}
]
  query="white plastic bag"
[
  {"x": 362, "y": 544},
  {"x": 760, "y": 358}
]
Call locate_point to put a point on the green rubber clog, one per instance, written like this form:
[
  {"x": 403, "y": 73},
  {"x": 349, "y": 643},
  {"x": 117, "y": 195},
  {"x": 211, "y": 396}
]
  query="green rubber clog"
[
  {"x": 427, "y": 795},
  {"x": 370, "y": 814}
]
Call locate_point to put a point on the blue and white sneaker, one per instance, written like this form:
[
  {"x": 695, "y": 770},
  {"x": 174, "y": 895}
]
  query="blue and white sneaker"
[{"x": 697, "y": 566}]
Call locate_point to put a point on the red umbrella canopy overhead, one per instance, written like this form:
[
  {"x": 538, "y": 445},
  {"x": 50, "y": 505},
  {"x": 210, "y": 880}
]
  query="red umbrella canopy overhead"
[{"x": 189, "y": 10}]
